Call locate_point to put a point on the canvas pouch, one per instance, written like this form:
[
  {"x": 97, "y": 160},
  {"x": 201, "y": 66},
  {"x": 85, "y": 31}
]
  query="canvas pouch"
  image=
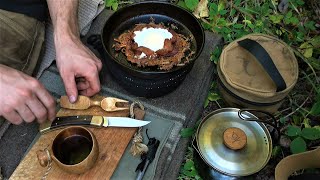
[{"x": 257, "y": 71}]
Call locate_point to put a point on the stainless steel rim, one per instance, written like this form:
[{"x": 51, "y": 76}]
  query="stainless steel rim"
[{"x": 249, "y": 160}]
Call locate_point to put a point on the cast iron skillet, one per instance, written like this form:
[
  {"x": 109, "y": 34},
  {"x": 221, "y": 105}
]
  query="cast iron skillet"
[{"x": 149, "y": 82}]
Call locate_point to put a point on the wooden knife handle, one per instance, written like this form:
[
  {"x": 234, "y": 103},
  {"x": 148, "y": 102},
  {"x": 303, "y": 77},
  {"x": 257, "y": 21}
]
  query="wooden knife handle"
[{"x": 61, "y": 122}]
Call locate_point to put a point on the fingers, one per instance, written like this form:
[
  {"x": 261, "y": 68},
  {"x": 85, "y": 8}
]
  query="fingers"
[
  {"x": 83, "y": 85},
  {"x": 23, "y": 98},
  {"x": 45, "y": 102},
  {"x": 38, "y": 109},
  {"x": 25, "y": 113},
  {"x": 71, "y": 87},
  {"x": 99, "y": 64},
  {"x": 14, "y": 117},
  {"x": 94, "y": 85}
]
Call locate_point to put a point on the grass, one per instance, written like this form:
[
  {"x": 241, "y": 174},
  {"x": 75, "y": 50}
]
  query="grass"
[
  {"x": 297, "y": 26},
  {"x": 294, "y": 22}
]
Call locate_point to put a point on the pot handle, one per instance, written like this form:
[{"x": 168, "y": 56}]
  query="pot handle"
[
  {"x": 265, "y": 60},
  {"x": 271, "y": 121},
  {"x": 95, "y": 41}
]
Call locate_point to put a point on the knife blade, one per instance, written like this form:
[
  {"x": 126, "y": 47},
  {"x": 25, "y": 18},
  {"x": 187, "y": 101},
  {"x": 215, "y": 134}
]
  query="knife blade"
[{"x": 97, "y": 121}]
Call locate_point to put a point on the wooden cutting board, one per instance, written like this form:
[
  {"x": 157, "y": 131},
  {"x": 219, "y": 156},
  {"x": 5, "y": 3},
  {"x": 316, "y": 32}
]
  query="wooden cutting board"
[{"x": 112, "y": 144}]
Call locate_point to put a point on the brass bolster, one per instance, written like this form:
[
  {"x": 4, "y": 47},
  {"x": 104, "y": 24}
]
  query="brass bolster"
[
  {"x": 45, "y": 127},
  {"x": 97, "y": 121}
]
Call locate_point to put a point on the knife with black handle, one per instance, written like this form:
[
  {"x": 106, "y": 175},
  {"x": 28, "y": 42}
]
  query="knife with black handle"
[{"x": 95, "y": 121}]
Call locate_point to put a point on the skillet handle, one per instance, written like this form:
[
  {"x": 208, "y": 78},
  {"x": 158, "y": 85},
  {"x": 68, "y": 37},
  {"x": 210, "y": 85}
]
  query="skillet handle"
[
  {"x": 271, "y": 121},
  {"x": 95, "y": 41}
]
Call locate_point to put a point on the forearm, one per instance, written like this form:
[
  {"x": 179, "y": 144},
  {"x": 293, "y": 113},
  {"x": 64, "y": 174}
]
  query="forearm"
[{"x": 64, "y": 16}]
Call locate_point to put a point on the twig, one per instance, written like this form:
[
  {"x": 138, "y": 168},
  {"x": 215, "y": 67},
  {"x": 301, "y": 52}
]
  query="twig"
[
  {"x": 310, "y": 81},
  {"x": 303, "y": 58},
  {"x": 296, "y": 104},
  {"x": 218, "y": 104},
  {"x": 295, "y": 8},
  {"x": 284, "y": 128},
  {"x": 238, "y": 9},
  {"x": 304, "y": 102}
]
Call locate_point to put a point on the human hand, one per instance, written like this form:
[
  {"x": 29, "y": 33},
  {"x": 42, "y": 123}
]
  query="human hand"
[
  {"x": 23, "y": 98},
  {"x": 78, "y": 67}
]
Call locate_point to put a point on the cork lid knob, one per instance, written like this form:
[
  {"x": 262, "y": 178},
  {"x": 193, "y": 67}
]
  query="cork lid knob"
[
  {"x": 234, "y": 138},
  {"x": 43, "y": 157}
]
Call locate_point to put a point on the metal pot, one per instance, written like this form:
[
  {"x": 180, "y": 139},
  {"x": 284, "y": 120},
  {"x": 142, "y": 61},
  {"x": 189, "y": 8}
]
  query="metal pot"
[
  {"x": 233, "y": 143},
  {"x": 148, "y": 82}
]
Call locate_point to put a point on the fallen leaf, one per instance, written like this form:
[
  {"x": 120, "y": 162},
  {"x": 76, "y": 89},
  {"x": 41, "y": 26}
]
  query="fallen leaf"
[{"x": 202, "y": 10}]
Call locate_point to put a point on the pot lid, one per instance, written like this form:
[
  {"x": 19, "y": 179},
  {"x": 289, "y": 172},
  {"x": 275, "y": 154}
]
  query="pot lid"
[{"x": 233, "y": 146}]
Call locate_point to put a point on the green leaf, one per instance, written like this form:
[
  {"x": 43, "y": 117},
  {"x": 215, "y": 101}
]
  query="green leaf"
[
  {"x": 316, "y": 127},
  {"x": 191, "y": 4},
  {"x": 220, "y": 6},
  {"x": 206, "y": 103},
  {"x": 306, "y": 123},
  {"x": 293, "y": 131},
  {"x": 188, "y": 165},
  {"x": 283, "y": 120},
  {"x": 246, "y": 21},
  {"x": 310, "y": 133},
  {"x": 289, "y": 14},
  {"x": 237, "y": 2},
  {"x": 213, "y": 97},
  {"x": 251, "y": 26},
  {"x": 238, "y": 26},
  {"x": 108, "y": 3},
  {"x": 191, "y": 173},
  {"x": 187, "y": 132},
  {"x": 318, "y": 95},
  {"x": 276, "y": 18},
  {"x": 213, "y": 9},
  {"x": 259, "y": 23},
  {"x": 310, "y": 25},
  {"x": 294, "y": 20},
  {"x": 275, "y": 151},
  {"x": 298, "y": 145},
  {"x": 223, "y": 12},
  {"x": 221, "y": 22},
  {"x": 296, "y": 120},
  {"x": 206, "y": 26},
  {"x": 182, "y": 4},
  {"x": 308, "y": 52},
  {"x": 315, "y": 41},
  {"x": 300, "y": 2},
  {"x": 232, "y": 12},
  {"x": 315, "y": 110},
  {"x": 115, "y": 6},
  {"x": 305, "y": 45}
]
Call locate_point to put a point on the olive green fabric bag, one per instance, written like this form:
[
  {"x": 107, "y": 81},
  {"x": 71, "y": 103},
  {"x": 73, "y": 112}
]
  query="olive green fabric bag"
[
  {"x": 21, "y": 42},
  {"x": 257, "y": 71}
]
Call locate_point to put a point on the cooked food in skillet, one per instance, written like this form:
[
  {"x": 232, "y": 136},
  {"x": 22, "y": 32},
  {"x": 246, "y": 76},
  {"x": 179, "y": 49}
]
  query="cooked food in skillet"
[{"x": 154, "y": 45}]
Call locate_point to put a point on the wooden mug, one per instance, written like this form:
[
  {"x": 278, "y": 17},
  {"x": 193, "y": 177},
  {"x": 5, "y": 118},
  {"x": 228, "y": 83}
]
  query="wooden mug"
[{"x": 74, "y": 149}]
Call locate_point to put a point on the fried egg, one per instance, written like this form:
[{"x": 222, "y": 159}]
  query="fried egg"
[{"x": 152, "y": 38}]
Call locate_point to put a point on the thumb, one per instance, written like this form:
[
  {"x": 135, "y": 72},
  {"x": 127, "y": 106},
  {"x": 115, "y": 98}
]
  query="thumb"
[{"x": 71, "y": 88}]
